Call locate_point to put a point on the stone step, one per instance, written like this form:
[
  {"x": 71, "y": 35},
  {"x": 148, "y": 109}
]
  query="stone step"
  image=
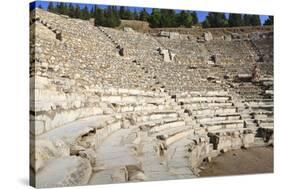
[
  {"x": 204, "y": 99},
  {"x": 231, "y": 110},
  {"x": 266, "y": 125},
  {"x": 113, "y": 155},
  {"x": 145, "y": 107},
  {"x": 203, "y": 120},
  {"x": 171, "y": 135},
  {"x": 203, "y": 93},
  {"x": 259, "y": 142},
  {"x": 154, "y": 122},
  {"x": 154, "y": 168},
  {"x": 207, "y": 105},
  {"x": 101, "y": 126},
  {"x": 64, "y": 171},
  {"x": 161, "y": 127},
  {"x": 121, "y": 100},
  {"x": 262, "y": 107},
  {"x": 158, "y": 115},
  {"x": 266, "y": 120},
  {"x": 228, "y": 130},
  {"x": 227, "y": 124}
]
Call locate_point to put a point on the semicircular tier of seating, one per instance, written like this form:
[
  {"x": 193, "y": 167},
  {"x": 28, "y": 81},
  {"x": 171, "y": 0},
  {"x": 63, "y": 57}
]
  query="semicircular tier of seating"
[{"x": 100, "y": 117}]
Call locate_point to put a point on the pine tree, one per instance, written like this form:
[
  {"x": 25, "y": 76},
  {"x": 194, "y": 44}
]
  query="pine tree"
[
  {"x": 122, "y": 12},
  {"x": 269, "y": 21},
  {"x": 168, "y": 18},
  {"x": 255, "y": 20},
  {"x": 144, "y": 15},
  {"x": 99, "y": 16},
  {"x": 206, "y": 24},
  {"x": 128, "y": 15},
  {"x": 71, "y": 10},
  {"x": 51, "y": 7},
  {"x": 136, "y": 15},
  {"x": 154, "y": 19},
  {"x": 85, "y": 15},
  {"x": 246, "y": 20},
  {"x": 184, "y": 19},
  {"x": 111, "y": 18},
  {"x": 92, "y": 12},
  {"x": 194, "y": 18},
  {"x": 235, "y": 20},
  {"x": 77, "y": 11},
  {"x": 215, "y": 20}
]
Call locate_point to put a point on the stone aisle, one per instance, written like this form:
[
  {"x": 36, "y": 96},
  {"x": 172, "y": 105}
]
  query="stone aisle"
[{"x": 112, "y": 157}]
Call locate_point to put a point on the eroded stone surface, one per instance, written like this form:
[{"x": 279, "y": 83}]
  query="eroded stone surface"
[{"x": 110, "y": 106}]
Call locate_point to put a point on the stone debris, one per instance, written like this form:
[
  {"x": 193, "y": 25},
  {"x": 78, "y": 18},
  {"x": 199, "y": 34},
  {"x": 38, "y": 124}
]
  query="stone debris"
[
  {"x": 111, "y": 106},
  {"x": 168, "y": 56}
]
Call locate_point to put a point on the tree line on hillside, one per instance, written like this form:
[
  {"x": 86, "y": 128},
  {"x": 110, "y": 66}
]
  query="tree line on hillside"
[{"x": 111, "y": 16}]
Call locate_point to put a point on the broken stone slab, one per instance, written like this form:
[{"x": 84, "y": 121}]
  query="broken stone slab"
[
  {"x": 174, "y": 35},
  {"x": 64, "y": 171},
  {"x": 164, "y": 34},
  {"x": 227, "y": 37},
  {"x": 269, "y": 92},
  {"x": 45, "y": 150},
  {"x": 166, "y": 55},
  {"x": 128, "y": 29},
  {"x": 208, "y": 36},
  {"x": 135, "y": 173},
  {"x": 267, "y": 83},
  {"x": 88, "y": 154},
  {"x": 244, "y": 77},
  {"x": 210, "y": 78},
  {"x": 107, "y": 175}
]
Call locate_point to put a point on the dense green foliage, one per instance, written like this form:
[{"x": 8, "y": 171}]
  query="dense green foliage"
[
  {"x": 215, "y": 20},
  {"x": 111, "y": 16},
  {"x": 235, "y": 20},
  {"x": 269, "y": 21}
]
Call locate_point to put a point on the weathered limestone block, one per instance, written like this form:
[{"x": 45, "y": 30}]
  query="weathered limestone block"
[
  {"x": 244, "y": 77},
  {"x": 135, "y": 173},
  {"x": 89, "y": 154},
  {"x": 248, "y": 139},
  {"x": 166, "y": 55},
  {"x": 105, "y": 131},
  {"x": 129, "y": 99},
  {"x": 235, "y": 36},
  {"x": 197, "y": 151},
  {"x": 227, "y": 37},
  {"x": 174, "y": 35},
  {"x": 125, "y": 123},
  {"x": 128, "y": 29},
  {"x": 45, "y": 150},
  {"x": 64, "y": 171},
  {"x": 111, "y": 99},
  {"x": 55, "y": 119},
  {"x": 208, "y": 36},
  {"x": 164, "y": 34}
]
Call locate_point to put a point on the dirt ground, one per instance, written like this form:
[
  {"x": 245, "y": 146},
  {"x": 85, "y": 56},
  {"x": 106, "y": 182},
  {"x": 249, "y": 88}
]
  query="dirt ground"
[{"x": 236, "y": 162}]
